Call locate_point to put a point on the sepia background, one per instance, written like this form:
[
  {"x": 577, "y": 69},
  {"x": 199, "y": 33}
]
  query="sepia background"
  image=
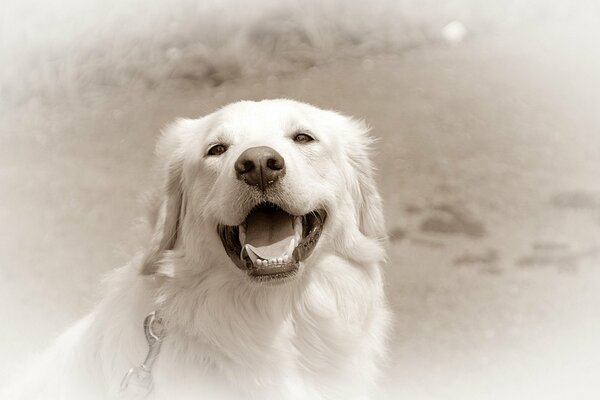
[{"x": 488, "y": 119}]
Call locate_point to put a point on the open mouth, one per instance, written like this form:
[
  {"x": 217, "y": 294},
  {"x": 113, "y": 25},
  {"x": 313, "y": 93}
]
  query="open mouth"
[{"x": 270, "y": 243}]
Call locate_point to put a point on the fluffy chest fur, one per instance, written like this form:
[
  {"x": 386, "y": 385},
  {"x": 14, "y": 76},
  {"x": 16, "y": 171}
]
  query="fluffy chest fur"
[
  {"x": 227, "y": 341},
  {"x": 300, "y": 341}
]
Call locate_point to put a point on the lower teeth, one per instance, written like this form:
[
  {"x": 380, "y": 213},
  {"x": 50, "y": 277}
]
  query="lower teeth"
[
  {"x": 274, "y": 261},
  {"x": 247, "y": 252}
]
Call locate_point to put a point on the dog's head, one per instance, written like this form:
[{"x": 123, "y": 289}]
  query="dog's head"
[{"x": 261, "y": 187}]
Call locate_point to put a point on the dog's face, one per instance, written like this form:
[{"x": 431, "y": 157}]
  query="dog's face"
[{"x": 276, "y": 181}]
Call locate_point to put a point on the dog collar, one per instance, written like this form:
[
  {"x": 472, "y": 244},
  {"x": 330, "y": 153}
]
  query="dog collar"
[{"x": 137, "y": 382}]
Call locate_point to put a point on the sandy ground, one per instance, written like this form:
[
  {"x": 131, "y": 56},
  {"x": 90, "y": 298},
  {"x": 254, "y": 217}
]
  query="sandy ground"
[{"x": 489, "y": 164}]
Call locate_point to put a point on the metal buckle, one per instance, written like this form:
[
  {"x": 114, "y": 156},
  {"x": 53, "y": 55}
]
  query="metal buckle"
[{"x": 137, "y": 382}]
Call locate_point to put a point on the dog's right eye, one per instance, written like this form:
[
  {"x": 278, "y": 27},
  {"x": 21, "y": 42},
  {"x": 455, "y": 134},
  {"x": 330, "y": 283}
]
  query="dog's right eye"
[{"x": 217, "y": 150}]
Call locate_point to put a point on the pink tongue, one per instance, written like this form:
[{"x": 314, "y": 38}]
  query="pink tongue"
[{"x": 269, "y": 232}]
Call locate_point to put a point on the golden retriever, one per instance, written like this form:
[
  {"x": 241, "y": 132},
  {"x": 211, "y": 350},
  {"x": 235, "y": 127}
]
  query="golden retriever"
[{"x": 263, "y": 276}]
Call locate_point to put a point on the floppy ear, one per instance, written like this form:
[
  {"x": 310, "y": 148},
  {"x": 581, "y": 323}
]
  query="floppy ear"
[
  {"x": 172, "y": 208},
  {"x": 369, "y": 205},
  {"x": 370, "y": 211},
  {"x": 166, "y": 229}
]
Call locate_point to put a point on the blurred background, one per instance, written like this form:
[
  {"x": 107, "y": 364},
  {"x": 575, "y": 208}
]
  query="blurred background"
[{"x": 488, "y": 119}]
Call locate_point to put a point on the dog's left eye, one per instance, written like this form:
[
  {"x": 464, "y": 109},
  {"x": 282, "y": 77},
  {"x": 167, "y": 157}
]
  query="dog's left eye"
[
  {"x": 217, "y": 150},
  {"x": 303, "y": 138}
]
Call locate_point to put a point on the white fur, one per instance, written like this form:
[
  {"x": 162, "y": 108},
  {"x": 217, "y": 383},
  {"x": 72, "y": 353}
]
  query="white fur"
[{"x": 320, "y": 335}]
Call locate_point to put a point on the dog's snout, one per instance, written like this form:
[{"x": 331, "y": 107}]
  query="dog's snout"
[{"x": 260, "y": 166}]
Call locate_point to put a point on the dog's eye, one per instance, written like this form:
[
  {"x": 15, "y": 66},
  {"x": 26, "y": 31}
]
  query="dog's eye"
[
  {"x": 217, "y": 150},
  {"x": 303, "y": 138}
]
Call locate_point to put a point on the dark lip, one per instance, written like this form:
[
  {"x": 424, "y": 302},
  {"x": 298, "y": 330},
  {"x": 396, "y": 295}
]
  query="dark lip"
[
  {"x": 275, "y": 274},
  {"x": 312, "y": 227}
]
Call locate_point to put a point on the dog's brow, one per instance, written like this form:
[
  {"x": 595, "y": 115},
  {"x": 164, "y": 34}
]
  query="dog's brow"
[
  {"x": 300, "y": 129},
  {"x": 220, "y": 138}
]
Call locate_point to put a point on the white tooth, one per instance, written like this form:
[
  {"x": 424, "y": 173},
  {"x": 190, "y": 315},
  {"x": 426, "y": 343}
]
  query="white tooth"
[
  {"x": 242, "y": 235},
  {"x": 251, "y": 254},
  {"x": 259, "y": 262},
  {"x": 291, "y": 247},
  {"x": 280, "y": 260},
  {"x": 298, "y": 229},
  {"x": 286, "y": 258}
]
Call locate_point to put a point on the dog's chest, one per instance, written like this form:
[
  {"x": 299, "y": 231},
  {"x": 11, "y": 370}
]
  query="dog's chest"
[
  {"x": 293, "y": 360},
  {"x": 267, "y": 373}
]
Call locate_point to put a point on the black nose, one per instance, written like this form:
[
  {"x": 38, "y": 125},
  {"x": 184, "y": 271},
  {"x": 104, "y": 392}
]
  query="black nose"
[{"x": 260, "y": 166}]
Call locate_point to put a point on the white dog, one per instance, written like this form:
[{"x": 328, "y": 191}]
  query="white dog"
[{"x": 262, "y": 279}]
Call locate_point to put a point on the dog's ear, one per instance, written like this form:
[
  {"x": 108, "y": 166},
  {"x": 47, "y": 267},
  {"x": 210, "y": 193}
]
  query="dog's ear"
[
  {"x": 171, "y": 208},
  {"x": 369, "y": 205},
  {"x": 167, "y": 226},
  {"x": 372, "y": 223}
]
